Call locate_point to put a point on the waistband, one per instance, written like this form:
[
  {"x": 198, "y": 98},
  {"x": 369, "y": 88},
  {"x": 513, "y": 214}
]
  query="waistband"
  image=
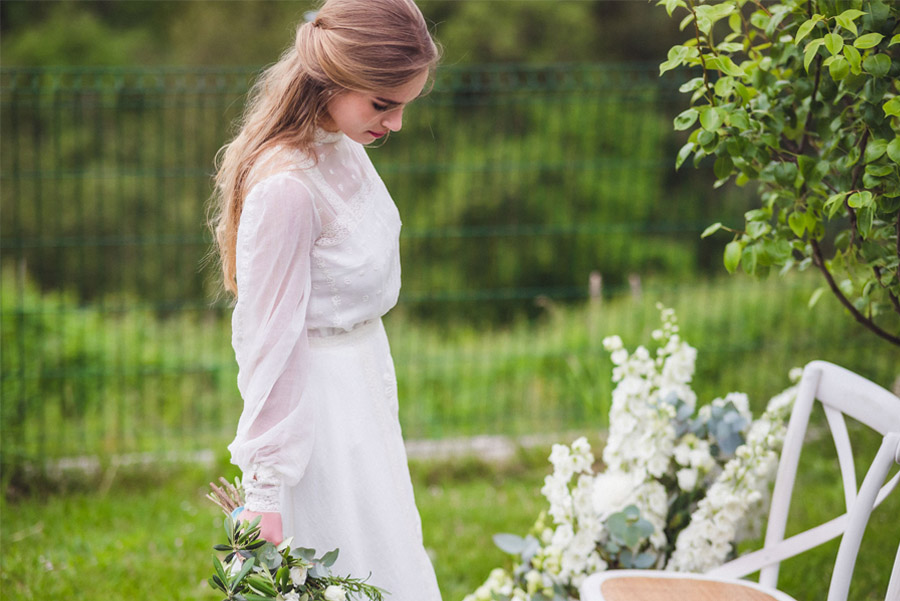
[{"x": 334, "y": 336}]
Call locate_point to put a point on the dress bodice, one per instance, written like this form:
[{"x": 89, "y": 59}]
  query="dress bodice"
[{"x": 317, "y": 255}]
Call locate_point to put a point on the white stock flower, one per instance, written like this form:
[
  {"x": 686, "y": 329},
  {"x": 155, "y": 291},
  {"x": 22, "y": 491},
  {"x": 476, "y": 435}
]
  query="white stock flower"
[
  {"x": 612, "y": 343},
  {"x": 613, "y": 491},
  {"x": 335, "y": 593},
  {"x": 687, "y": 479}
]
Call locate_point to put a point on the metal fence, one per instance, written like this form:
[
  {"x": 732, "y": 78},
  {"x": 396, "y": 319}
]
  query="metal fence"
[{"x": 541, "y": 212}]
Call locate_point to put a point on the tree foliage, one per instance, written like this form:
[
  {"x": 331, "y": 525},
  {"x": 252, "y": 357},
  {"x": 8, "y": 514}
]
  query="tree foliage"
[{"x": 801, "y": 96}]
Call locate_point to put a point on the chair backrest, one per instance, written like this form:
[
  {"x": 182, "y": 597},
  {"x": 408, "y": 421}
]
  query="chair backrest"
[{"x": 841, "y": 392}]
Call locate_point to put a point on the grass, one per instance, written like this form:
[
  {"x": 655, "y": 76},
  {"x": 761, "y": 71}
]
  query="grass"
[
  {"x": 109, "y": 383},
  {"x": 149, "y": 534}
]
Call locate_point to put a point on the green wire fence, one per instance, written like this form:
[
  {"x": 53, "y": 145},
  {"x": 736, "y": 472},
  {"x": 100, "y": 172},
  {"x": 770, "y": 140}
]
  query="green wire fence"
[{"x": 541, "y": 213}]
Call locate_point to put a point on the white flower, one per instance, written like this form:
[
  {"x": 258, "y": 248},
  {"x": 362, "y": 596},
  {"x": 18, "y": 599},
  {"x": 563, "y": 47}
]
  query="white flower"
[
  {"x": 335, "y": 593},
  {"x": 534, "y": 581},
  {"x": 687, "y": 479},
  {"x": 613, "y": 491},
  {"x": 291, "y": 596},
  {"x": 298, "y": 575},
  {"x": 612, "y": 343}
]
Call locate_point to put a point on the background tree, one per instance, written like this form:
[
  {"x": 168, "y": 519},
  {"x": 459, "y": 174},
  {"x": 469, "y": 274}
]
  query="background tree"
[{"x": 801, "y": 96}]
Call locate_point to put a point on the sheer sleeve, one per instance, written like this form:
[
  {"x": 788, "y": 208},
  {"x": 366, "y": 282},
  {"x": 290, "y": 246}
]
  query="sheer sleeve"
[{"x": 279, "y": 225}]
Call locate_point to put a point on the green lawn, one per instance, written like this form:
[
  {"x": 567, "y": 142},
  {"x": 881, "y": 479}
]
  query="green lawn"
[{"x": 149, "y": 535}]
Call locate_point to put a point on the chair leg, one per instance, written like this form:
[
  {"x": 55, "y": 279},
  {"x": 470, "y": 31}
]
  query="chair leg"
[{"x": 893, "y": 591}]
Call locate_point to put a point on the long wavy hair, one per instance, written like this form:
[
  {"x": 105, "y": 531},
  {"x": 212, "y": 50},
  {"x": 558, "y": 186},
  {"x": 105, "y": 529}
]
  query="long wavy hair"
[{"x": 359, "y": 45}]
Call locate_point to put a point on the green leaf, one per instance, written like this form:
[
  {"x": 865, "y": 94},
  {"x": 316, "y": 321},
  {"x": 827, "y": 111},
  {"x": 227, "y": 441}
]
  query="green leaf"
[
  {"x": 875, "y": 149},
  {"x": 877, "y": 64},
  {"x": 834, "y": 43},
  {"x": 864, "y": 220},
  {"x": 797, "y": 223},
  {"x": 879, "y": 170},
  {"x": 671, "y": 5},
  {"x": 757, "y": 229},
  {"x": 859, "y": 200},
  {"x": 710, "y": 118},
  {"x": 711, "y": 230},
  {"x": 894, "y": 40},
  {"x": 723, "y": 166},
  {"x": 806, "y": 27},
  {"x": 846, "y": 18},
  {"x": 835, "y": 203},
  {"x": 839, "y": 68},
  {"x": 724, "y": 86},
  {"x": 892, "y": 107},
  {"x": 814, "y": 298},
  {"x": 732, "y": 256},
  {"x": 683, "y": 154},
  {"x": 853, "y": 58},
  {"x": 869, "y": 40},
  {"x": 691, "y": 85},
  {"x": 893, "y": 150},
  {"x": 686, "y": 119},
  {"x": 810, "y": 53}
]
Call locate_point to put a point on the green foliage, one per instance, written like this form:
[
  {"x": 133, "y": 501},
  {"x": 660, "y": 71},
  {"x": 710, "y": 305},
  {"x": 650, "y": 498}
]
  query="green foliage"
[
  {"x": 628, "y": 533},
  {"x": 801, "y": 97},
  {"x": 257, "y": 570}
]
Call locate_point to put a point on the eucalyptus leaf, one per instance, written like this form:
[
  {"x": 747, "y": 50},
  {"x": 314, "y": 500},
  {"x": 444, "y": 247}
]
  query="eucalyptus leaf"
[
  {"x": 644, "y": 560},
  {"x": 329, "y": 558},
  {"x": 510, "y": 543}
]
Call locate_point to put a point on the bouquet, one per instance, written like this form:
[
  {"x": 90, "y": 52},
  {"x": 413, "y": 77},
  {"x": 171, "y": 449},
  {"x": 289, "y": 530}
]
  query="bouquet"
[
  {"x": 256, "y": 570},
  {"x": 681, "y": 485}
]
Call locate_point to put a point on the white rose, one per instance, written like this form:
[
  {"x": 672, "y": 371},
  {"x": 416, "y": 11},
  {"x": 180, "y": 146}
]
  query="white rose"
[
  {"x": 335, "y": 593},
  {"x": 298, "y": 575}
]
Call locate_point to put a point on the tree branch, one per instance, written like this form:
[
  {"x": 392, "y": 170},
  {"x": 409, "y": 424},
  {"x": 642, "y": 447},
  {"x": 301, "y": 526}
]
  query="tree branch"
[
  {"x": 819, "y": 261},
  {"x": 812, "y": 99},
  {"x": 857, "y": 171},
  {"x": 709, "y": 92},
  {"x": 894, "y": 300}
]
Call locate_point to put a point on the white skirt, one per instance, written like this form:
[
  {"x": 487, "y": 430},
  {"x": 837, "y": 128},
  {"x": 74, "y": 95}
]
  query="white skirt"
[{"x": 356, "y": 494}]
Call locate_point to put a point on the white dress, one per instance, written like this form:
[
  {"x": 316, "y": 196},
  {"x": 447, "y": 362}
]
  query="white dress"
[{"x": 319, "y": 437}]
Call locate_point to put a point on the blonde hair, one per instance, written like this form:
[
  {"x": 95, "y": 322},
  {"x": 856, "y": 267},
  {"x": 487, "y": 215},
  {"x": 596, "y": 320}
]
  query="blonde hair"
[{"x": 359, "y": 45}]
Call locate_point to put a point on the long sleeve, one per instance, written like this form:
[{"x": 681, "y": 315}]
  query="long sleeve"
[{"x": 275, "y": 433}]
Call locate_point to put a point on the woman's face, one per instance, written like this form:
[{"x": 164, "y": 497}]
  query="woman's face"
[{"x": 366, "y": 116}]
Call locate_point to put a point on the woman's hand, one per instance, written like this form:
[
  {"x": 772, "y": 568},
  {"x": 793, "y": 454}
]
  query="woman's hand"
[{"x": 269, "y": 525}]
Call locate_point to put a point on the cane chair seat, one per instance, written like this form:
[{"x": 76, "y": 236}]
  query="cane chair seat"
[{"x": 682, "y": 587}]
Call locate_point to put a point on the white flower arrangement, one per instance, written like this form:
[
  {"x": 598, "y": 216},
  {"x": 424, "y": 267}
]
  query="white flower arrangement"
[{"x": 681, "y": 486}]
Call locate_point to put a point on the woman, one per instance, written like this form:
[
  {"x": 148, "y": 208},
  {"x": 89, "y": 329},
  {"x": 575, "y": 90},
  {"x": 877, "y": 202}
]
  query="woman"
[{"x": 308, "y": 240}]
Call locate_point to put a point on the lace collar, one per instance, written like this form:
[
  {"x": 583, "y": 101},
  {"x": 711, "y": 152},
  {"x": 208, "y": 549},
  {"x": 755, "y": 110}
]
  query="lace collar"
[{"x": 327, "y": 137}]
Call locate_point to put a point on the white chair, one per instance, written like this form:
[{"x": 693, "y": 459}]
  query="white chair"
[{"x": 841, "y": 392}]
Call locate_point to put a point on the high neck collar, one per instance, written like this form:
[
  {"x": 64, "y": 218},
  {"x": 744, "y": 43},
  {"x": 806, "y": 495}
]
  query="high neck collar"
[{"x": 327, "y": 137}]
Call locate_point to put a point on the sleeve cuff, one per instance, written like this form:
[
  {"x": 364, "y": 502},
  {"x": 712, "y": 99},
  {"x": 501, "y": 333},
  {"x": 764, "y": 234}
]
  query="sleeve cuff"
[{"x": 262, "y": 489}]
